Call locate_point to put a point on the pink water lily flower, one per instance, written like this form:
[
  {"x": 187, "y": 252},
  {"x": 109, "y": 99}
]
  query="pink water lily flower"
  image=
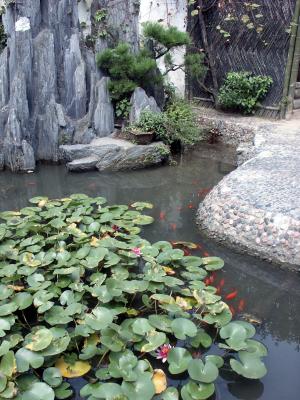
[
  {"x": 163, "y": 351},
  {"x": 137, "y": 251}
]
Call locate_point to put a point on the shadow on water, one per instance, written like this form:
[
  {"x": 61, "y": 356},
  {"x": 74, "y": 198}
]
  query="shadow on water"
[{"x": 272, "y": 296}]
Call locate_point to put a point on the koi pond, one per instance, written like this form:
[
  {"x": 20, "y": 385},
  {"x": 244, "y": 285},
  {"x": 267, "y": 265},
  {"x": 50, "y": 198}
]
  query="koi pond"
[{"x": 255, "y": 291}]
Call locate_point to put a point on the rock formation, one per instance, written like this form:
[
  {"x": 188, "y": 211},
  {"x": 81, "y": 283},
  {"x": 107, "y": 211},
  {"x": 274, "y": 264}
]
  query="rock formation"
[{"x": 51, "y": 91}]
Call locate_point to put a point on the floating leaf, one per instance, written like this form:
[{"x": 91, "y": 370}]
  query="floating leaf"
[
  {"x": 52, "y": 376},
  {"x": 100, "y": 318},
  {"x": 39, "y": 391},
  {"x": 79, "y": 368},
  {"x": 154, "y": 340},
  {"x": 250, "y": 367},
  {"x": 183, "y": 327},
  {"x": 213, "y": 263},
  {"x": 205, "y": 373},
  {"x": 8, "y": 366},
  {"x": 26, "y": 359},
  {"x": 40, "y": 340},
  {"x": 201, "y": 391},
  {"x": 159, "y": 381},
  {"x": 178, "y": 359}
]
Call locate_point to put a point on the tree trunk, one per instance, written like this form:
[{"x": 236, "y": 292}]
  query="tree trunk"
[{"x": 209, "y": 52}]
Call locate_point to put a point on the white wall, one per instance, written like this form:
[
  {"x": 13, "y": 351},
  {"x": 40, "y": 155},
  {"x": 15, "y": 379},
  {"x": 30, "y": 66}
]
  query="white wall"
[{"x": 168, "y": 12}]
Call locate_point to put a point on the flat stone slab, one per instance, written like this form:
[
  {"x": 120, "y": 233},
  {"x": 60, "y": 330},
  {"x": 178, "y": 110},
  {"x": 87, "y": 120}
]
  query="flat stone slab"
[
  {"x": 256, "y": 208},
  {"x": 83, "y": 164},
  {"x": 110, "y": 154}
]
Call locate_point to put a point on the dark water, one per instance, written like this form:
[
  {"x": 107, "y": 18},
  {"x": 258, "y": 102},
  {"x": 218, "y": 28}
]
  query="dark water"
[{"x": 269, "y": 294}]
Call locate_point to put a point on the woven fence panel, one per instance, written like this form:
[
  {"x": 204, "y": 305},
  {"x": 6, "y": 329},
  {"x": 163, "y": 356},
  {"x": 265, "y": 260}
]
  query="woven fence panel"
[{"x": 247, "y": 36}]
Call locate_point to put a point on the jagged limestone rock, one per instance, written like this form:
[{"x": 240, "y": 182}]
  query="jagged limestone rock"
[
  {"x": 4, "y": 84},
  {"x": 141, "y": 102},
  {"x": 104, "y": 111},
  {"x": 113, "y": 155},
  {"x": 18, "y": 153},
  {"x": 50, "y": 86}
]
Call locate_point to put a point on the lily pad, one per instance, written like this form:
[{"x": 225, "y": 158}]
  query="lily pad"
[
  {"x": 178, "y": 359},
  {"x": 183, "y": 327},
  {"x": 203, "y": 372}
]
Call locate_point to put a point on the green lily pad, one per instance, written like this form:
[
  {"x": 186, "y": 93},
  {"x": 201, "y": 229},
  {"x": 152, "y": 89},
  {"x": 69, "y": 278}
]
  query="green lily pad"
[
  {"x": 8, "y": 365},
  {"x": 52, "y": 377},
  {"x": 26, "y": 359},
  {"x": 154, "y": 339},
  {"x": 213, "y": 263},
  {"x": 249, "y": 367},
  {"x": 108, "y": 391},
  {"x": 40, "y": 340},
  {"x": 143, "y": 388},
  {"x": 193, "y": 391},
  {"x": 100, "y": 318},
  {"x": 203, "y": 372},
  {"x": 141, "y": 326},
  {"x": 236, "y": 334},
  {"x": 63, "y": 391},
  {"x": 183, "y": 327},
  {"x": 39, "y": 391},
  {"x": 178, "y": 359}
]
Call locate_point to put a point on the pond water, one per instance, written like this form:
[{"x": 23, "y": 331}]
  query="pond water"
[{"x": 272, "y": 296}]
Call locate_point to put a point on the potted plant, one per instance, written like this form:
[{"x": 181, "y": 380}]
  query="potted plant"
[{"x": 140, "y": 136}]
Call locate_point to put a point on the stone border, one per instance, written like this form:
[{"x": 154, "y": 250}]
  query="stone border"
[{"x": 272, "y": 231}]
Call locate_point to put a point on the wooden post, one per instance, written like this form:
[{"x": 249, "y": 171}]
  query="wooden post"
[{"x": 292, "y": 66}]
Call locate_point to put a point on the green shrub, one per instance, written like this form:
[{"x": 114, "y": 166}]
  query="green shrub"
[
  {"x": 176, "y": 124},
  {"x": 123, "y": 108},
  {"x": 182, "y": 120},
  {"x": 126, "y": 69},
  {"x": 164, "y": 38},
  {"x": 242, "y": 91}
]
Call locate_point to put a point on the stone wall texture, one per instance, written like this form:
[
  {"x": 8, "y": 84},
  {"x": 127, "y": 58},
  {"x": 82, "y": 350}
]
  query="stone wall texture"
[{"x": 256, "y": 208}]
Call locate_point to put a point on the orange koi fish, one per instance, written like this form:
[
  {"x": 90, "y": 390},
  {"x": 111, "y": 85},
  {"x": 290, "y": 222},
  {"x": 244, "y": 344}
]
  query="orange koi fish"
[
  {"x": 241, "y": 305},
  {"x": 162, "y": 215},
  {"x": 186, "y": 252},
  {"x": 206, "y": 254},
  {"x": 222, "y": 282},
  {"x": 231, "y": 295},
  {"x": 191, "y": 206},
  {"x": 173, "y": 227},
  {"x": 231, "y": 308}
]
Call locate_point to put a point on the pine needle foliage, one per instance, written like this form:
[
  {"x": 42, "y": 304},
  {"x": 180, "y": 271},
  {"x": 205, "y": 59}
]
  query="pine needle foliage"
[{"x": 126, "y": 69}]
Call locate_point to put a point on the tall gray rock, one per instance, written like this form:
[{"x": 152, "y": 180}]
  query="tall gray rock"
[
  {"x": 104, "y": 112},
  {"x": 140, "y": 102},
  {"x": 51, "y": 91}
]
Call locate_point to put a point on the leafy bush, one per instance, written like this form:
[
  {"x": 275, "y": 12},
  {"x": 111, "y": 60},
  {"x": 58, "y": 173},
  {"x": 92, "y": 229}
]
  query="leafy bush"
[
  {"x": 154, "y": 122},
  {"x": 177, "y": 124},
  {"x": 123, "y": 108},
  {"x": 83, "y": 294},
  {"x": 242, "y": 91}
]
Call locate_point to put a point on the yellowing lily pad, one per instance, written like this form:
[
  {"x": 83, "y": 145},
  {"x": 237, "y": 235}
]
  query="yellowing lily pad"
[
  {"x": 159, "y": 381},
  {"x": 79, "y": 368}
]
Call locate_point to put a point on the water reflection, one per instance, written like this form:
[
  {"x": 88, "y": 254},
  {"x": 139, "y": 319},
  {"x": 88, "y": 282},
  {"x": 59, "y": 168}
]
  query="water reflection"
[{"x": 269, "y": 294}]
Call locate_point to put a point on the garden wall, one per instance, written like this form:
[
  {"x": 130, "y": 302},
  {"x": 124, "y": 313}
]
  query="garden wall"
[
  {"x": 251, "y": 36},
  {"x": 170, "y": 12}
]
